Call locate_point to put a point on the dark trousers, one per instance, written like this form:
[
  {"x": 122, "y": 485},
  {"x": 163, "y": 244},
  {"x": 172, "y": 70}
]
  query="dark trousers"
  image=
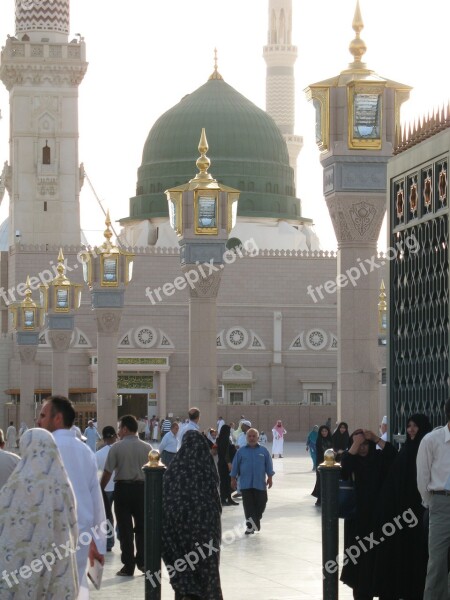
[
  {"x": 129, "y": 509},
  {"x": 110, "y": 537},
  {"x": 254, "y": 505}
]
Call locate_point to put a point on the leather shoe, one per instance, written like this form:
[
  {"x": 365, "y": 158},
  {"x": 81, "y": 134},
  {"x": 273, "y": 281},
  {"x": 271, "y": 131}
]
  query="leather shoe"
[
  {"x": 124, "y": 573},
  {"x": 232, "y": 502}
]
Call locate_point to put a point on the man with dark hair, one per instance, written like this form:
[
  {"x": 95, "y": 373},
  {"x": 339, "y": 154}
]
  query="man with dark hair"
[
  {"x": 126, "y": 459},
  {"x": 57, "y": 416},
  {"x": 433, "y": 482},
  {"x": 8, "y": 461}
]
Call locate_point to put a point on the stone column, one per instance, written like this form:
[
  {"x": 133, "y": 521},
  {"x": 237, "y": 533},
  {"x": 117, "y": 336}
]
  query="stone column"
[
  {"x": 357, "y": 220},
  {"x": 108, "y": 321},
  {"x": 27, "y": 381},
  {"x": 60, "y": 342},
  {"x": 162, "y": 404},
  {"x": 202, "y": 347},
  {"x": 277, "y": 369}
]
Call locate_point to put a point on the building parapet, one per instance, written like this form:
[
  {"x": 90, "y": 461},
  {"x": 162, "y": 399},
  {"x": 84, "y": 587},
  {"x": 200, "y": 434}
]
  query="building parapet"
[{"x": 412, "y": 134}]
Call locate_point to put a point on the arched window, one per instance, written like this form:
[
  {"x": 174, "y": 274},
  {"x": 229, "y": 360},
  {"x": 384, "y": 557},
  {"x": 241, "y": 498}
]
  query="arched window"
[{"x": 46, "y": 154}]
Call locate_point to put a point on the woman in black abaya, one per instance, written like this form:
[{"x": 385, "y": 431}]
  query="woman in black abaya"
[
  {"x": 368, "y": 467},
  {"x": 191, "y": 521},
  {"x": 401, "y": 560},
  {"x": 225, "y": 453},
  {"x": 340, "y": 439},
  {"x": 324, "y": 442}
]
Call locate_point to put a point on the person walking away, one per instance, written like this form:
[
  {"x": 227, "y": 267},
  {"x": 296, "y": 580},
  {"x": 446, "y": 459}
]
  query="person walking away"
[
  {"x": 191, "y": 520},
  {"x": 126, "y": 459},
  {"x": 109, "y": 437},
  {"x": 169, "y": 445},
  {"x": 38, "y": 514},
  {"x": 278, "y": 432},
  {"x": 165, "y": 426},
  {"x": 433, "y": 482},
  {"x": 253, "y": 465}
]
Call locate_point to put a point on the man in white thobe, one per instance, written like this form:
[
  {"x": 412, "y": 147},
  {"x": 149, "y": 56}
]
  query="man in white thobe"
[
  {"x": 11, "y": 437},
  {"x": 57, "y": 416}
]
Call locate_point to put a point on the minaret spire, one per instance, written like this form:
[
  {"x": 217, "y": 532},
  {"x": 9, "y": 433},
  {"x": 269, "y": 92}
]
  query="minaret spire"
[{"x": 280, "y": 56}]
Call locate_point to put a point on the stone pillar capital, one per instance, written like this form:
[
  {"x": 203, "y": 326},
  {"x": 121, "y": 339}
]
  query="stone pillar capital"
[
  {"x": 203, "y": 284},
  {"x": 357, "y": 218},
  {"x": 108, "y": 320},
  {"x": 60, "y": 339},
  {"x": 27, "y": 354}
]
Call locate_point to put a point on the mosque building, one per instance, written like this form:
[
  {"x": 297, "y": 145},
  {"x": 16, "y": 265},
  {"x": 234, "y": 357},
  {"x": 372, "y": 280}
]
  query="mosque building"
[{"x": 277, "y": 344}]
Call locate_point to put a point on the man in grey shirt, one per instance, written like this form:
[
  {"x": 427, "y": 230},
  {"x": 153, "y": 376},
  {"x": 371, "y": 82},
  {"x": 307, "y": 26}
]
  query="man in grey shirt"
[
  {"x": 126, "y": 458},
  {"x": 8, "y": 461}
]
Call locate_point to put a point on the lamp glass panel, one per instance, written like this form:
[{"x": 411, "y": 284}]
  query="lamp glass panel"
[
  {"x": 366, "y": 116},
  {"x": 207, "y": 212},
  {"x": 28, "y": 318},
  {"x": 110, "y": 270},
  {"x": 62, "y": 298}
]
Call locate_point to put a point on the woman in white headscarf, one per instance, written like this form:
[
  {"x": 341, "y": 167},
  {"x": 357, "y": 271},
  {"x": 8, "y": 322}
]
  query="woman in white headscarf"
[{"x": 38, "y": 525}]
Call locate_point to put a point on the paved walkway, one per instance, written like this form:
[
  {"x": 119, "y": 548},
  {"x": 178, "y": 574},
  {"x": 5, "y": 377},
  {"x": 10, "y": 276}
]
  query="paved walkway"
[{"x": 282, "y": 562}]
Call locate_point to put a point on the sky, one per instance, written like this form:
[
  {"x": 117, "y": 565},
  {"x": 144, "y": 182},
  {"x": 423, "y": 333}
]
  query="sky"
[{"x": 144, "y": 56}]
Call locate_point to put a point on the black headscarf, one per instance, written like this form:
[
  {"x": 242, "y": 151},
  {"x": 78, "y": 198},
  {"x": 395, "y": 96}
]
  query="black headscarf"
[
  {"x": 340, "y": 440},
  {"x": 323, "y": 443},
  {"x": 191, "y": 518}
]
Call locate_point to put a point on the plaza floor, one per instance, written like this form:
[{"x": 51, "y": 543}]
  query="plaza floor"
[{"x": 282, "y": 562}]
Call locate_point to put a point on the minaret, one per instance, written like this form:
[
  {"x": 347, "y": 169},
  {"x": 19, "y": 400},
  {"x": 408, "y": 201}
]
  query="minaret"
[
  {"x": 42, "y": 71},
  {"x": 280, "y": 56}
]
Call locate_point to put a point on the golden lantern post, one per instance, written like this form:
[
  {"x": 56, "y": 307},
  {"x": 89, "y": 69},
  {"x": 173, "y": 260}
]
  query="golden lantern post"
[
  {"x": 202, "y": 213},
  {"x": 27, "y": 321},
  {"x": 107, "y": 271},
  {"x": 60, "y": 299}
]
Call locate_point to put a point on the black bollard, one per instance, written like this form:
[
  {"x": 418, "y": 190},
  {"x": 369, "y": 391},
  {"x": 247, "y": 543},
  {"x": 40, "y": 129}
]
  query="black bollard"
[
  {"x": 153, "y": 472},
  {"x": 329, "y": 481}
]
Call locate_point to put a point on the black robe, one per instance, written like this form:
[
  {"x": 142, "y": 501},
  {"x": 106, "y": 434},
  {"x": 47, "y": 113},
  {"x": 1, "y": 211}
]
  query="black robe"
[
  {"x": 401, "y": 560},
  {"x": 322, "y": 444},
  {"x": 191, "y": 519},
  {"x": 225, "y": 453},
  {"x": 369, "y": 474}
]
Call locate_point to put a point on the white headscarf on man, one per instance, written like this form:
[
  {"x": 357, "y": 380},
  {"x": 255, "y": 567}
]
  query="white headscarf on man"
[{"x": 38, "y": 523}]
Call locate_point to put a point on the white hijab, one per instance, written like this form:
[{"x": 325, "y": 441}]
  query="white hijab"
[{"x": 38, "y": 517}]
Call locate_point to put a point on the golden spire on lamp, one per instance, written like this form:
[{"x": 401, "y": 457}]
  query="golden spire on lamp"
[
  {"x": 28, "y": 300},
  {"x": 203, "y": 161},
  {"x": 61, "y": 278},
  {"x": 357, "y": 46}
]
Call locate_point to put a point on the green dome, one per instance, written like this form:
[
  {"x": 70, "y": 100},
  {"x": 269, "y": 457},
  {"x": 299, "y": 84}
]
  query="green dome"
[{"x": 246, "y": 149}]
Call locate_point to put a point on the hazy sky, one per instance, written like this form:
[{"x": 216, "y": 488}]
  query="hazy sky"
[{"x": 144, "y": 56}]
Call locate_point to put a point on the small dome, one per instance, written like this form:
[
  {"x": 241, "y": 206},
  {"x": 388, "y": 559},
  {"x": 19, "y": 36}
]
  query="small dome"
[{"x": 246, "y": 149}]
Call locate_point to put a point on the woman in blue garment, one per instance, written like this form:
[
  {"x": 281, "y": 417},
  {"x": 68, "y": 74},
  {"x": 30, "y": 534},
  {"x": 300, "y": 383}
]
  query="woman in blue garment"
[{"x": 311, "y": 445}]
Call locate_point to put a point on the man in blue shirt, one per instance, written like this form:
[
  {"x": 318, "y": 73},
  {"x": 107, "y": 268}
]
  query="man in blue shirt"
[{"x": 252, "y": 463}]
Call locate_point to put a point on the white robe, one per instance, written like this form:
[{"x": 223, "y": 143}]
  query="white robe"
[
  {"x": 81, "y": 467},
  {"x": 278, "y": 442},
  {"x": 11, "y": 438}
]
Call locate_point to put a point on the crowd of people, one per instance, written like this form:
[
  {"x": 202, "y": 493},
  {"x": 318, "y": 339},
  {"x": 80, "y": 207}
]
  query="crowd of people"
[
  {"x": 91, "y": 488},
  {"x": 402, "y": 503}
]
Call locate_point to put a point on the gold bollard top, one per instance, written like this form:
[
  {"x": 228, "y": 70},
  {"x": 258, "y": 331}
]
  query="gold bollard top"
[
  {"x": 329, "y": 459},
  {"x": 153, "y": 459}
]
